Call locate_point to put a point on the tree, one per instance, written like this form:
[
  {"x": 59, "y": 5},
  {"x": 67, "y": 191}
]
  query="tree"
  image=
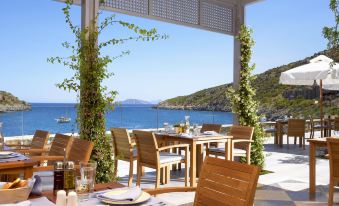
[
  {"x": 242, "y": 99},
  {"x": 90, "y": 69},
  {"x": 332, "y": 33}
]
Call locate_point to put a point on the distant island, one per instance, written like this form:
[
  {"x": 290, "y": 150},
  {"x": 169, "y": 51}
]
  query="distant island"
[
  {"x": 275, "y": 100},
  {"x": 133, "y": 101},
  {"x": 8, "y": 103}
]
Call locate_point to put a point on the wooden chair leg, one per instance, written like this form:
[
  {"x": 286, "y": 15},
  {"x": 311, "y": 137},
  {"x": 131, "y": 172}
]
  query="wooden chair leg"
[
  {"x": 168, "y": 175},
  {"x": 130, "y": 176},
  {"x": 288, "y": 141},
  {"x": 179, "y": 165},
  {"x": 295, "y": 140},
  {"x": 304, "y": 142},
  {"x": 138, "y": 174},
  {"x": 163, "y": 175},
  {"x": 248, "y": 155},
  {"x": 174, "y": 166},
  {"x": 142, "y": 171},
  {"x": 330, "y": 193},
  {"x": 157, "y": 178},
  {"x": 186, "y": 174}
]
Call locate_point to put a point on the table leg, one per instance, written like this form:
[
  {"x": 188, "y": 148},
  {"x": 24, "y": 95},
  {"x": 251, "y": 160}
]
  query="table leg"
[
  {"x": 28, "y": 173},
  {"x": 193, "y": 155},
  {"x": 312, "y": 168},
  {"x": 228, "y": 150},
  {"x": 200, "y": 157}
]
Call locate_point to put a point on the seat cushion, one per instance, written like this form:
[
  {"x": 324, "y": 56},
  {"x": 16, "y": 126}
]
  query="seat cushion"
[
  {"x": 166, "y": 157},
  {"x": 222, "y": 150}
]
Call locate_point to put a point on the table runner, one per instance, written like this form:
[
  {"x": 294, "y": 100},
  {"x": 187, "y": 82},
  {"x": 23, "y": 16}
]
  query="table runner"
[{"x": 20, "y": 157}]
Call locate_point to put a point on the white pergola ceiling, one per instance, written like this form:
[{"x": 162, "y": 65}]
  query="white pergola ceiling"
[{"x": 212, "y": 15}]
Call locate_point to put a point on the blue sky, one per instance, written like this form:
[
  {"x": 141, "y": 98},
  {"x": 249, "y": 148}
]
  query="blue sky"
[{"x": 190, "y": 60}]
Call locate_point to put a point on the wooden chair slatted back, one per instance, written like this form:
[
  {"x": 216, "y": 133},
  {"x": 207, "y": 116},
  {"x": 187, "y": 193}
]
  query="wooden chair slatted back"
[
  {"x": 122, "y": 144},
  {"x": 296, "y": 127},
  {"x": 224, "y": 182},
  {"x": 40, "y": 139},
  {"x": 336, "y": 124},
  {"x": 211, "y": 127},
  {"x": 147, "y": 147},
  {"x": 241, "y": 132},
  {"x": 80, "y": 151},
  {"x": 333, "y": 151},
  {"x": 60, "y": 146}
]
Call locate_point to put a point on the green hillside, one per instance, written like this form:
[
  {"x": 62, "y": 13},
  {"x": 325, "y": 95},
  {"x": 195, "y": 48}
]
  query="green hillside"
[
  {"x": 276, "y": 100},
  {"x": 9, "y": 102}
]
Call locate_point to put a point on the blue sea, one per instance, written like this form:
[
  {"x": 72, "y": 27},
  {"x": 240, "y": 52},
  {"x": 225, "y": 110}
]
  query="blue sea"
[{"x": 43, "y": 116}]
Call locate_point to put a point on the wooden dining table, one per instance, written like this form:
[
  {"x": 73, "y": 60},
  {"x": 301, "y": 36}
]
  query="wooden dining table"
[
  {"x": 17, "y": 167},
  {"x": 196, "y": 145},
  {"x": 314, "y": 144}
]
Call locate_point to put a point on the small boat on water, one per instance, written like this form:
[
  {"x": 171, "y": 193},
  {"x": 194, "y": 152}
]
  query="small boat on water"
[{"x": 63, "y": 120}]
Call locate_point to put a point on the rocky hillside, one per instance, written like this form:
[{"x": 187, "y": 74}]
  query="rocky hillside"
[
  {"x": 8, "y": 102},
  {"x": 275, "y": 99}
]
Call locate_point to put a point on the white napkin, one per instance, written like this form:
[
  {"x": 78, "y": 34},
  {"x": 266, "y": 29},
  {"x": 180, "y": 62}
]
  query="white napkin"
[
  {"x": 24, "y": 203},
  {"x": 209, "y": 133},
  {"x": 131, "y": 194}
]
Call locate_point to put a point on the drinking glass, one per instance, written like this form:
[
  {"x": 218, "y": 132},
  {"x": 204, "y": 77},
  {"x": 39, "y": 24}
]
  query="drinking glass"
[
  {"x": 166, "y": 127},
  {"x": 196, "y": 129},
  {"x": 83, "y": 188},
  {"x": 87, "y": 172}
]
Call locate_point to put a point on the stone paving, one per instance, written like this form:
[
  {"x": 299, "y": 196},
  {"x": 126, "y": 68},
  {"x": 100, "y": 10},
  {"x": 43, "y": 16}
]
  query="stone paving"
[{"x": 286, "y": 185}]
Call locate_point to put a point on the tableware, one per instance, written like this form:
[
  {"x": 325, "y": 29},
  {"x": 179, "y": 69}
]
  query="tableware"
[
  {"x": 83, "y": 188},
  {"x": 87, "y": 172},
  {"x": 61, "y": 198},
  {"x": 15, "y": 195},
  {"x": 6, "y": 155},
  {"x": 209, "y": 133},
  {"x": 142, "y": 198},
  {"x": 72, "y": 199}
]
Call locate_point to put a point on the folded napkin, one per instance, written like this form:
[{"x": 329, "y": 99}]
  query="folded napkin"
[
  {"x": 24, "y": 203},
  {"x": 37, "y": 187},
  {"x": 130, "y": 194},
  {"x": 185, "y": 135}
]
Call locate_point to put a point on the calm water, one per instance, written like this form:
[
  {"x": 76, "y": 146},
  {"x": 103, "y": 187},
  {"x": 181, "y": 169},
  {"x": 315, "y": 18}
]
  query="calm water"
[{"x": 42, "y": 116}]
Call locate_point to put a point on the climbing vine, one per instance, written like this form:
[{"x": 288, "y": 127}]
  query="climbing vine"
[
  {"x": 90, "y": 69},
  {"x": 242, "y": 99},
  {"x": 332, "y": 33}
]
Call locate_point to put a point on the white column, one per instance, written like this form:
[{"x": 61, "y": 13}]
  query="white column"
[
  {"x": 239, "y": 20},
  {"x": 89, "y": 10}
]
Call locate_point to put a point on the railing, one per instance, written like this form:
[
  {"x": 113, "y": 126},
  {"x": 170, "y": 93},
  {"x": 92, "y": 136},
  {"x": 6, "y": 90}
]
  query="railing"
[{"x": 43, "y": 116}]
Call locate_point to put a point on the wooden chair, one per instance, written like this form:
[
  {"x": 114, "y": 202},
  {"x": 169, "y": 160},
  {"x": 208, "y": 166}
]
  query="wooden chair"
[
  {"x": 123, "y": 149},
  {"x": 80, "y": 151},
  {"x": 150, "y": 155},
  {"x": 211, "y": 127},
  {"x": 296, "y": 128},
  {"x": 221, "y": 182},
  {"x": 241, "y": 143},
  {"x": 316, "y": 127},
  {"x": 336, "y": 124},
  {"x": 59, "y": 149},
  {"x": 39, "y": 141},
  {"x": 76, "y": 150},
  {"x": 333, "y": 151}
]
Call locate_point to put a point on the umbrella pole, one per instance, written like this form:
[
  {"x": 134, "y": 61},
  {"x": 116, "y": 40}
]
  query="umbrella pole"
[{"x": 321, "y": 108}]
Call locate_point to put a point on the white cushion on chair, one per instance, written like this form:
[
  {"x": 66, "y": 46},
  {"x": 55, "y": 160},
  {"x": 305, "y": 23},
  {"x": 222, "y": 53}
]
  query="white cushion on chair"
[{"x": 166, "y": 157}]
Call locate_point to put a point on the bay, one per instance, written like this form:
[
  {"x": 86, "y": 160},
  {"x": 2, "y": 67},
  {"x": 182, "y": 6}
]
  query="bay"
[{"x": 43, "y": 116}]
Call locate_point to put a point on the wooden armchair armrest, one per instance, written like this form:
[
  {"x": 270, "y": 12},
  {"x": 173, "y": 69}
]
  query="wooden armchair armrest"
[
  {"x": 173, "y": 146},
  {"x": 43, "y": 158},
  {"x": 169, "y": 189},
  {"x": 17, "y": 145},
  {"x": 31, "y": 151},
  {"x": 242, "y": 141}
]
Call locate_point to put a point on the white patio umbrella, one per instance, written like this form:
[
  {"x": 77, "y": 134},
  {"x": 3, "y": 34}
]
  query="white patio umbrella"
[{"x": 321, "y": 70}]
